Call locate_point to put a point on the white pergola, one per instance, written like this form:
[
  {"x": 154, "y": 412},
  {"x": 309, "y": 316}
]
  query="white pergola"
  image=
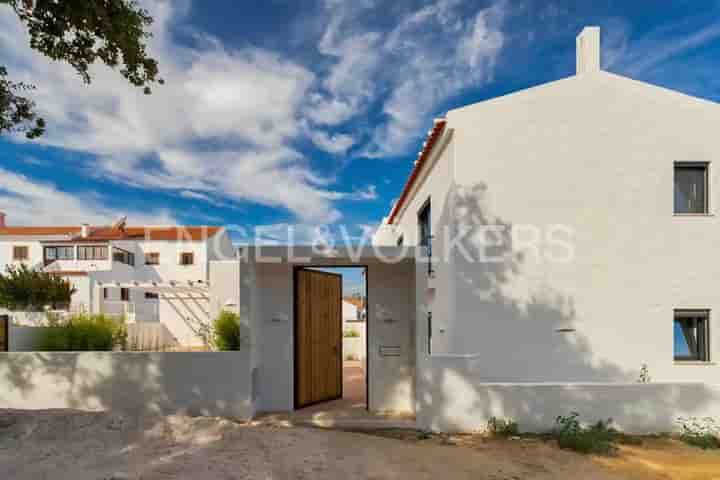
[{"x": 171, "y": 289}]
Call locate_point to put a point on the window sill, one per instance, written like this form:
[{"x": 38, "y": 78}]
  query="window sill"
[{"x": 693, "y": 362}]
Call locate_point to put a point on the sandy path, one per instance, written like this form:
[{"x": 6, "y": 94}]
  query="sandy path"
[{"x": 61, "y": 445}]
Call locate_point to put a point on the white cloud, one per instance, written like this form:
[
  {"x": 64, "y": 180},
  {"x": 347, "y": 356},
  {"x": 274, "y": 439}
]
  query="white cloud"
[
  {"x": 225, "y": 125},
  {"x": 429, "y": 55},
  {"x": 641, "y": 55},
  {"x": 337, "y": 144},
  {"x": 246, "y": 100},
  {"x": 28, "y": 202}
]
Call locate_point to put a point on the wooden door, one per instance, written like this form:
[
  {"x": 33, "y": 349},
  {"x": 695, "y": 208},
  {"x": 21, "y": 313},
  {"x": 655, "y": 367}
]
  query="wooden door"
[
  {"x": 318, "y": 337},
  {"x": 4, "y": 333}
]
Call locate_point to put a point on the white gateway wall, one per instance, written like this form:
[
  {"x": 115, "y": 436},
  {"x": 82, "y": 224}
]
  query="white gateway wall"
[{"x": 268, "y": 302}]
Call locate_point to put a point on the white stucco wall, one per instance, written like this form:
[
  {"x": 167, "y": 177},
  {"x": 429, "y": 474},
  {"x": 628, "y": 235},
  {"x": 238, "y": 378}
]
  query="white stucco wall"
[
  {"x": 595, "y": 154},
  {"x": 203, "y": 383}
]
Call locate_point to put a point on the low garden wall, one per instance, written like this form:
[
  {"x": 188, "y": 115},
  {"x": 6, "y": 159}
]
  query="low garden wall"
[
  {"x": 448, "y": 400},
  {"x": 197, "y": 383}
]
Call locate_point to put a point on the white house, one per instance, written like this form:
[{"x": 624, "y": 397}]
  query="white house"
[
  {"x": 572, "y": 229},
  {"x": 146, "y": 273},
  {"x": 552, "y": 251}
]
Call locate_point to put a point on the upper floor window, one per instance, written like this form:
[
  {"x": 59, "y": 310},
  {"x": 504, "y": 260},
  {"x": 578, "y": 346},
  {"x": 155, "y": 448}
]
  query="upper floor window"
[
  {"x": 92, "y": 252},
  {"x": 691, "y": 335},
  {"x": 123, "y": 256},
  {"x": 152, "y": 258},
  {"x": 424, "y": 232},
  {"x": 21, "y": 253},
  {"x": 187, "y": 258},
  {"x": 691, "y": 188},
  {"x": 58, "y": 253}
]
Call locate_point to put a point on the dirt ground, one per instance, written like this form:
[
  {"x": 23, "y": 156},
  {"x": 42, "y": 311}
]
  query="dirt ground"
[{"x": 73, "y": 445}]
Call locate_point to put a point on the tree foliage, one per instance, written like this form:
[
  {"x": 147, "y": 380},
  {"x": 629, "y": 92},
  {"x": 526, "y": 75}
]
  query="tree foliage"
[
  {"x": 23, "y": 288},
  {"x": 81, "y": 33}
]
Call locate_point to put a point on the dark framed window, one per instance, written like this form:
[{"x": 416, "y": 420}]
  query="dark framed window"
[
  {"x": 691, "y": 336},
  {"x": 152, "y": 258},
  {"x": 151, "y": 296},
  {"x": 58, "y": 253},
  {"x": 123, "y": 256},
  {"x": 691, "y": 188},
  {"x": 92, "y": 252},
  {"x": 125, "y": 294},
  {"x": 105, "y": 293},
  {"x": 424, "y": 229},
  {"x": 21, "y": 253},
  {"x": 187, "y": 258}
]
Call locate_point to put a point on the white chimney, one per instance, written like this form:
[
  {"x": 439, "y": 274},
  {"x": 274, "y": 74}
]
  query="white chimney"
[
  {"x": 84, "y": 230},
  {"x": 2, "y": 220},
  {"x": 588, "y": 50}
]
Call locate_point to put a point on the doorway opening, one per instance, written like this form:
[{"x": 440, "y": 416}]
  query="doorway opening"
[{"x": 331, "y": 337}]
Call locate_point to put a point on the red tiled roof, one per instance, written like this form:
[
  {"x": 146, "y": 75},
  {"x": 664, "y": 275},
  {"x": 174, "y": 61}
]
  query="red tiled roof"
[
  {"x": 129, "y": 233},
  {"x": 433, "y": 137}
]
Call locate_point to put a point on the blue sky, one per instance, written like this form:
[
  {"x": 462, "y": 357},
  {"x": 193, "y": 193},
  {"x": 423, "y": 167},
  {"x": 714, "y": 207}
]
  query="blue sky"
[{"x": 307, "y": 113}]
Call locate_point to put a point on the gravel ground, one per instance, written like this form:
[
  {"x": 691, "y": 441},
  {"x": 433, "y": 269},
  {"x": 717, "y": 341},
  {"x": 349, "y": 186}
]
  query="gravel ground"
[{"x": 77, "y": 445}]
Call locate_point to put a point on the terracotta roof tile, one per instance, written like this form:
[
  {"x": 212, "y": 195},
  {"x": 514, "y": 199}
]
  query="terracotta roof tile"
[
  {"x": 433, "y": 137},
  {"x": 196, "y": 233}
]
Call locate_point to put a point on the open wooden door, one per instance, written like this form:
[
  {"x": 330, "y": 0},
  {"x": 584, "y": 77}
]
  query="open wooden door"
[
  {"x": 318, "y": 337},
  {"x": 4, "y": 333}
]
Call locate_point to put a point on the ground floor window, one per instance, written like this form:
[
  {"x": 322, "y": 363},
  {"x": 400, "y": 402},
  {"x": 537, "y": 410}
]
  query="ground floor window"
[
  {"x": 125, "y": 294},
  {"x": 691, "y": 334},
  {"x": 151, "y": 296}
]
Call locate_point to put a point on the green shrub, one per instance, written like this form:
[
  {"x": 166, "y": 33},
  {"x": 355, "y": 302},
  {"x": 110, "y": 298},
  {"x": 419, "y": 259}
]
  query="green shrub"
[
  {"x": 23, "y": 288},
  {"x": 351, "y": 334},
  {"x": 572, "y": 435},
  {"x": 84, "y": 333},
  {"x": 700, "y": 432},
  {"x": 226, "y": 331},
  {"x": 503, "y": 427}
]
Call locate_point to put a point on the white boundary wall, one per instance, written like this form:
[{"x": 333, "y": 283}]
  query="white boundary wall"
[{"x": 198, "y": 383}]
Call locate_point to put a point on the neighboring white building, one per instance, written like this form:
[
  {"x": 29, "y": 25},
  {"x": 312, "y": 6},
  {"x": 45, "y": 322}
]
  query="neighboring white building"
[{"x": 148, "y": 274}]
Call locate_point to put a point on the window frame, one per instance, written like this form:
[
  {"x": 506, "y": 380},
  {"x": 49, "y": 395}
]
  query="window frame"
[
  {"x": 16, "y": 248},
  {"x": 149, "y": 255},
  {"x": 704, "y": 355},
  {"x": 706, "y": 200},
  {"x": 57, "y": 249},
  {"x": 93, "y": 249},
  {"x": 425, "y": 212},
  {"x": 182, "y": 258}
]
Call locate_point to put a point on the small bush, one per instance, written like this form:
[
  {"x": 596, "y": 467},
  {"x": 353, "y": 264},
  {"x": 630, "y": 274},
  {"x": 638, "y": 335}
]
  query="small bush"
[
  {"x": 84, "y": 333},
  {"x": 572, "y": 435},
  {"x": 226, "y": 331},
  {"x": 351, "y": 334},
  {"x": 700, "y": 432},
  {"x": 503, "y": 427}
]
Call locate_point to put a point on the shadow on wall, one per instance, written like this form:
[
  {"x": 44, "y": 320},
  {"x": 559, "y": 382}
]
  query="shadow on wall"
[
  {"x": 509, "y": 333},
  {"x": 198, "y": 383}
]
